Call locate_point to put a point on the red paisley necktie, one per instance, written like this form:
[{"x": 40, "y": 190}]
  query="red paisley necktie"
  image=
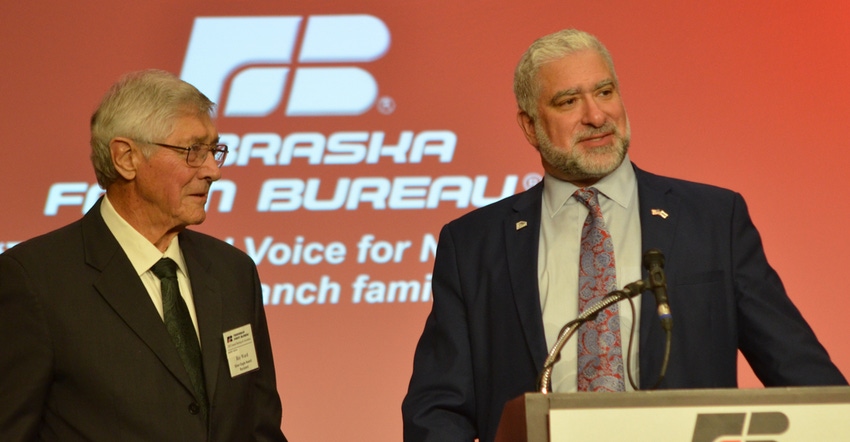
[{"x": 600, "y": 355}]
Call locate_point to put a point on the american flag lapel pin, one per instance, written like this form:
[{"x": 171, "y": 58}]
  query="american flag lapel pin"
[
  {"x": 659, "y": 212},
  {"x": 521, "y": 224}
]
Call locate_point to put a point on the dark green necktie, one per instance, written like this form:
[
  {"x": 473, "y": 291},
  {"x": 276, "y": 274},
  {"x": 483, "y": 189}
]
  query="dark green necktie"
[{"x": 180, "y": 327}]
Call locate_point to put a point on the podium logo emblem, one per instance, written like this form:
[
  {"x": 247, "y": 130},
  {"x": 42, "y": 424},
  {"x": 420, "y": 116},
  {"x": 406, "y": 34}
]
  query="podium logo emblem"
[{"x": 740, "y": 427}]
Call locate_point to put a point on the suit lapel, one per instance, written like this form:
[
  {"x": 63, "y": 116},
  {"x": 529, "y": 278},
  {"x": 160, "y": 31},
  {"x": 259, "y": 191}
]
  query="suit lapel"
[
  {"x": 658, "y": 210},
  {"x": 522, "y": 232},
  {"x": 659, "y": 223},
  {"x": 121, "y": 288},
  {"x": 657, "y": 231},
  {"x": 208, "y": 307}
]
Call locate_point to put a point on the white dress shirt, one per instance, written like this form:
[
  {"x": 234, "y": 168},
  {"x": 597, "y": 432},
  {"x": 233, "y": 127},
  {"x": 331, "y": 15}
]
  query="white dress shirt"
[
  {"x": 143, "y": 255},
  {"x": 562, "y": 219}
]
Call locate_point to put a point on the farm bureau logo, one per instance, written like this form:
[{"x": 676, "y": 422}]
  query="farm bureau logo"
[
  {"x": 730, "y": 427},
  {"x": 256, "y": 56}
]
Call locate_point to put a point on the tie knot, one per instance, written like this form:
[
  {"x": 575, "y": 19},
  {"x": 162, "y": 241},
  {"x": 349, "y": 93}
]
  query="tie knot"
[
  {"x": 589, "y": 196},
  {"x": 165, "y": 268}
]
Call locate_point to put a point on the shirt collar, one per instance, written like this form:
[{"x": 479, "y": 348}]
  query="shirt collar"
[
  {"x": 141, "y": 252},
  {"x": 617, "y": 186}
]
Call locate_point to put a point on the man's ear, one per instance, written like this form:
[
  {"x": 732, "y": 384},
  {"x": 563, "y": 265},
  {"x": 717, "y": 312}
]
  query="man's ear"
[
  {"x": 124, "y": 154},
  {"x": 526, "y": 123}
]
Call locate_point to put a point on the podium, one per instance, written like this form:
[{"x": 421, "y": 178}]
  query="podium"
[{"x": 701, "y": 415}]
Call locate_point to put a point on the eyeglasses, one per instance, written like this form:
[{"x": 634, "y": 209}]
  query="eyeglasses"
[{"x": 196, "y": 154}]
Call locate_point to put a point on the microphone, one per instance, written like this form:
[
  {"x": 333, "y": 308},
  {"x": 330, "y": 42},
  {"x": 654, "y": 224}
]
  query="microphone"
[
  {"x": 653, "y": 262},
  {"x": 633, "y": 289}
]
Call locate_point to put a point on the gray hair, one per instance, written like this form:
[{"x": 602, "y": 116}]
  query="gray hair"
[
  {"x": 142, "y": 106},
  {"x": 544, "y": 50}
]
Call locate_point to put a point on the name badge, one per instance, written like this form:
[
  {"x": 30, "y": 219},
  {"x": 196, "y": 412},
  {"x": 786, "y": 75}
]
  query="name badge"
[{"x": 240, "y": 350}]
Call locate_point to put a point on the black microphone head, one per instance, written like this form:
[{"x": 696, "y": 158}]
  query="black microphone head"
[{"x": 653, "y": 257}]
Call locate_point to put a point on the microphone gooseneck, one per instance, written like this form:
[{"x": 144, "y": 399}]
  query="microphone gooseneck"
[{"x": 653, "y": 262}]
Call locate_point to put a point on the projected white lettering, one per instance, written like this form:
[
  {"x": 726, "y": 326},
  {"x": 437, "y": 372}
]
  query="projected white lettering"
[
  {"x": 379, "y": 193},
  {"x": 372, "y": 292},
  {"x": 82, "y": 195},
  {"x": 279, "y": 253},
  {"x": 8, "y": 245},
  {"x": 325, "y": 292},
  {"x": 361, "y": 147}
]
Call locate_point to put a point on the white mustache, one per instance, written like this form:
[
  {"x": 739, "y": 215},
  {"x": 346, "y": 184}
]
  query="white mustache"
[{"x": 591, "y": 133}]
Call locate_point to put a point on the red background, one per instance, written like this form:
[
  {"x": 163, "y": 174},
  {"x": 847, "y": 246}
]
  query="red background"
[{"x": 745, "y": 95}]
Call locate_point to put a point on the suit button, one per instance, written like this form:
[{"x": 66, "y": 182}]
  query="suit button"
[{"x": 194, "y": 408}]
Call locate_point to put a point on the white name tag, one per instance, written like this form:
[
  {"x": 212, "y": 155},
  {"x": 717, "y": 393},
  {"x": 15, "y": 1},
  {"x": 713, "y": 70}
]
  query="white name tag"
[{"x": 240, "y": 350}]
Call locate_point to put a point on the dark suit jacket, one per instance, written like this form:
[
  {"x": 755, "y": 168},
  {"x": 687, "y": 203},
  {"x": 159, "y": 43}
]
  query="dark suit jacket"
[
  {"x": 484, "y": 344},
  {"x": 86, "y": 356}
]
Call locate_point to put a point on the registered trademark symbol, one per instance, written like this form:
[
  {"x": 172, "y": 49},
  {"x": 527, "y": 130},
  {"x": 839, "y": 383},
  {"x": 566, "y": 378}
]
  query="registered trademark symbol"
[
  {"x": 529, "y": 180},
  {"x": 386, "y": 105}
]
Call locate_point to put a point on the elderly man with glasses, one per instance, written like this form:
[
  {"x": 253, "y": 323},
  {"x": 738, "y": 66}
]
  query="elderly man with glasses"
[{"x": 120, "y": 325}]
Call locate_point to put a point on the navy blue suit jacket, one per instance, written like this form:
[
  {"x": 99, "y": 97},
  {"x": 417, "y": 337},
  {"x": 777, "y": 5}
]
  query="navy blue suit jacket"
[{"x": 484, "y": 344}]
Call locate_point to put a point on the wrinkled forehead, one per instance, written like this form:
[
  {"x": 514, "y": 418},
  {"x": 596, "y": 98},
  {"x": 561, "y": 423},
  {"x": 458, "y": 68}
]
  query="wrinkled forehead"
[
  {"x": 575, "y": 72},
  {"x": 193, "y": 128}
]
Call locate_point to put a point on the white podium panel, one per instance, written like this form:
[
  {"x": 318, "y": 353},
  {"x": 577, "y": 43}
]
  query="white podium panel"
[
  {"x": 727, "y": 415},
  {"x": 816, "y": 422}
]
